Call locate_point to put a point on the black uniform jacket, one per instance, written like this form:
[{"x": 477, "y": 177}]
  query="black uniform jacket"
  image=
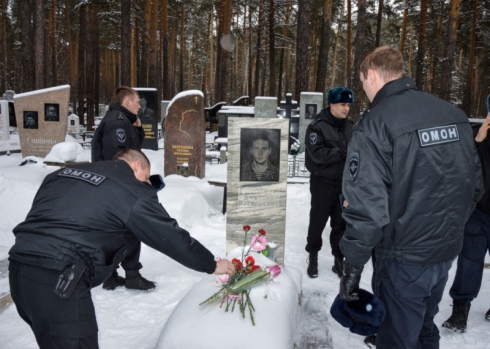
[
  {"x": 94, "y": 214},
  {"x": 326, "y": 142},
  {"x": 116, "y": 132},
  {"x": 412, "y": 179},
  {"x": 484, "y": 154}
]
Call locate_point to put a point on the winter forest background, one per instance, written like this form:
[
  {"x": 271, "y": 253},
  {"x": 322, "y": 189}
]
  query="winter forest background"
[{"x": 232, "y": 48}]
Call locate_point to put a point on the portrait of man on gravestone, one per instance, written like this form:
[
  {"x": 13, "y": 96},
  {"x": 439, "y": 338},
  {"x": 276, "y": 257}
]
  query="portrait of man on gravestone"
[
  {"x": 30, "y": 119},
  {"x": 51, "y": 112},
  {"x": 144, "y": 110},
  {"x": 259, "y": 154},
  {"x": 310, "y": 111}
]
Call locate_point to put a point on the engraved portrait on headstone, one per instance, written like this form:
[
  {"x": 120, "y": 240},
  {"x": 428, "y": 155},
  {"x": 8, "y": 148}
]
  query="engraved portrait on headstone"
[
  {"x": 259, "y": 154},
  {"x": 31, "y": 120},
  {"x": 310, "y": 111},
  {"x": 51, "y": 112},
  {"x": 148, "y": 114}
]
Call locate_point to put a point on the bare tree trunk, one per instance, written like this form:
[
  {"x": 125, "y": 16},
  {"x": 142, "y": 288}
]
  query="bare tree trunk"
[
  {"x": 211, "y": 54},
  {"x": 419, "y": 77},
  {"x": 3, "y": 45},
  {"x": 468, "y": 98},
  {"x": 272, "y": 51},
  {"x": 224, "y": 49},
  {"x": 39, "y": 45},
  {"x": 25, "y": 26},
  {"x": 182, "y": 47},
  {"x": 348, "y": 50},
  {"x": 410, "y": 51},
  {"x": 449, "y": 48},
  {"x": 285, "y": 46},
  {"x": 71, "y": 47},
  {"x": 81, "y": 61},
  {"x": 164, "y": 48},
  {"x": 54, "y": 64},
  {"x": 153, "y": 62},
  {"x": 404, "y": 28},
  {"x": 91, "y": 30},
  {"x": 380, "y": 19},
  {"x": 250, "y": 90},
  {"x": 145, "y": 47},
  {"x": 258, "y": 50},
  {"x": 125, "y": 42},
  {"x": 324, "y": 47},
  {"x": 435, "y": 50},
  {"x": 359, "y": 51},
  {"x": 334, "y": 60},
  {"x": 303, "y": 35}
]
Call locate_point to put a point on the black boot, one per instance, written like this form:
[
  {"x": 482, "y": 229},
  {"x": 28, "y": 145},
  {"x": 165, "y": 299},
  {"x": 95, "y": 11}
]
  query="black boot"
[
  {"x": 313, "y": 265},
  {"x": 113, "y": 281},
  {"x": 458, "y": 319},
  {"x": 338, "y": 265},
  {"x": 370, "y": 341},
  {"x": 487, "y": 315},
  {"x": 135, "y": 281}
]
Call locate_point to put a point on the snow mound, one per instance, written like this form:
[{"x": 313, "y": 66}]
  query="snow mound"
[
  {"x": 276, "y": 317},
  {"x": 67, "y": 151}
]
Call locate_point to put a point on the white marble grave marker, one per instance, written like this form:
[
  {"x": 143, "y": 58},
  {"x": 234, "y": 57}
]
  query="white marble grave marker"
[
  {"x": 265, "y": 107},
  {"x": 311, "y": 104}
]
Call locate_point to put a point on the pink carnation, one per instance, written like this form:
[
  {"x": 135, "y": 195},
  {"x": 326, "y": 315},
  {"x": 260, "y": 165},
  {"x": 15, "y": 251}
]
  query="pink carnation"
[
  {"x": 259, "y": 243},
  {"x": 274, "y": 270},
  {"x": 223, "y": 278}
]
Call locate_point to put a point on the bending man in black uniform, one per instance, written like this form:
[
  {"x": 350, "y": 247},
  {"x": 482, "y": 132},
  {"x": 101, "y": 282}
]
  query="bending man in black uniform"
[
  {"x": 476, "y": 243},
  {"x": 326, "y": 142},
  {"x": 121, "y": 128},
  {"x": 411, "y": 181},
  {"x": 62, "y": 251}
]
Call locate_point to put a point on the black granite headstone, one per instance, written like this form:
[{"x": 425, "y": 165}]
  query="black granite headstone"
[
  {"x": 224, "y": 114},
  {"x": 211, "y": 116},
  {"x": 243, "y": 101},
  {"x": 148, "y": 115}
]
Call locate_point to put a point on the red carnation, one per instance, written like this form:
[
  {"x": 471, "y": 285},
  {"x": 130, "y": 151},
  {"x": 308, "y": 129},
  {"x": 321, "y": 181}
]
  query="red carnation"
[
  {"x": 237, "y": 263},
  {"x": 249, "y": 261},
  {"x": 246, "y": 228},
  {"x": 262, "y": 232}
]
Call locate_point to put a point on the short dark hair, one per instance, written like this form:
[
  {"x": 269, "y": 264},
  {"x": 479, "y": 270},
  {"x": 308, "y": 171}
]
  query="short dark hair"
[
  {"x": 260, "y": 136},
  {"x": 386, "y": 60},
  {"x": 121, "y": 93},
  {"x": 131, "y": 155}
]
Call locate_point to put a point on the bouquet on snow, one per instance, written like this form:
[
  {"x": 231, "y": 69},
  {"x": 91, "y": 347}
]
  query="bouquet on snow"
[{"x": 235, "y": 290}]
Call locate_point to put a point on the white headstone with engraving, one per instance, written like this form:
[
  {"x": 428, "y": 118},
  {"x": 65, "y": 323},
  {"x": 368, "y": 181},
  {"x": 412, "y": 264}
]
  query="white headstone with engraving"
[{"x": 73, "y": 123}]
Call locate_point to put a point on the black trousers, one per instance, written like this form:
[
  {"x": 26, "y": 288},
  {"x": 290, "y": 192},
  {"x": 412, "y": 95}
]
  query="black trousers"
[
  {"x": 56, "y": 323},
  {"x": 132, "y": 260},
  {"x": 325, "y": 204}
]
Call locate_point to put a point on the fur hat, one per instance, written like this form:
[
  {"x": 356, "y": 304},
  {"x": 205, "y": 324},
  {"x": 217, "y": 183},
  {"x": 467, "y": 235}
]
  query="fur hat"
[
  {"x": 488, "y": 104},
  {"x": 363, "y": 317},
  {"x": 340, "y": 95}
]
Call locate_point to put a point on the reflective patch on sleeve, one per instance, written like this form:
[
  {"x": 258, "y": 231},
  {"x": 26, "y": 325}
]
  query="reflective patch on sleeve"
[
  {"x": 354, "y": 164},
  {"x": 438, "y": 135},
  {"x": 313, "y": 138},
  {"x": 83, "y": 175},
  {"x": 121, "y": 135}
]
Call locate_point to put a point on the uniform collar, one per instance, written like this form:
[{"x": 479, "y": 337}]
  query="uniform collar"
[
  {"x": 116, "y": 106},
  {"x": 394, "y": 87}
]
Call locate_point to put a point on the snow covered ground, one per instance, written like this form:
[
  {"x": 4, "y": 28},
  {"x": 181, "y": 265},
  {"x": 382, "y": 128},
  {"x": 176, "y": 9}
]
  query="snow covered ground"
[{"x": 132, "y": 319}]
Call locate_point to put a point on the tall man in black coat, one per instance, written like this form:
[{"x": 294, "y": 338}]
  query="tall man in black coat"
[
  {"x": 61, "y": 251},
  {"x": 411, "y": 181},
  {"x": 119, "y": 129},
  {"x": 326, "y": 142},
  {"x": 476, "y": 243}
]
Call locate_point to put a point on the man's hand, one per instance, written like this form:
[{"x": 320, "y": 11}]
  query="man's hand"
[
  {"x": 224, "y": 266},
  {"x": 349, "y": 284},
  {"x": 482, "y": 132},
  {"x": 137, "y": 123}
]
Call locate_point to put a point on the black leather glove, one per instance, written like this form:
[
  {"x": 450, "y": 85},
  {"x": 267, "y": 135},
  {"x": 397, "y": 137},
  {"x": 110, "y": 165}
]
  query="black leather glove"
[{"x": 349, "y": 284}]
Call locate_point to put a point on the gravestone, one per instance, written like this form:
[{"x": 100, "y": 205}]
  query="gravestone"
[
  {"x": 225, "y": 112},
  {"x": 311, "y": 104},
  {"x": 185, "y": 135},
  {"x": 73, "y": 124},
  {"x": 9, "y": 95},
  {"x": 163, "y": 115},
  {"x": 265, "y": 107},
  {"x": 148, "y": 115},
  {"x": 41, "y": 119},
  {"x": 4, "y": 121},
  {"x": 211, "y": 116},
  {"x": 288, "y": 106},
  {"x": 250, "y": 201},
  {"x": 243, "y": 101}
]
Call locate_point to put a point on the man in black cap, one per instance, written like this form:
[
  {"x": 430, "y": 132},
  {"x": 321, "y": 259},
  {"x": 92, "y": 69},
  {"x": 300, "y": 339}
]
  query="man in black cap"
[
  {"x": 326, "y": 142},
  {"x": 476, "y": 243},
  {"x": 84, "y": 220},
  {"x": 411, "y": 181},
  {"x": 121, "y": 128}
]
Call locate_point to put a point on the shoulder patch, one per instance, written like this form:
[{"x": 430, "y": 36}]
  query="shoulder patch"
[
  {"x": 121, "y": 135},
  {"x": 313, "y": 138},
  {"x": 314, "y": 122},
  {"x": 354, "y": 164},
  {"x": 120, "y": 116},
  {"x": 83, "y": 175},
  {"x": 438, "y": 135}
]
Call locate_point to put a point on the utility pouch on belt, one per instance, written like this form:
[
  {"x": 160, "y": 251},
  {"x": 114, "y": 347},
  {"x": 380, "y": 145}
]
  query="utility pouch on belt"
[{"x": 68, "y": 280}]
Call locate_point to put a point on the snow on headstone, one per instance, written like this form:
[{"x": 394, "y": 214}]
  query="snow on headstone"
[
  {"x": 265, "y": 107},
  {"x": 185, "y": 135},
  {"x": 256, "y": 195},
  {"x": 276, "y": 316},
  {"x": 4, "y": 121},
  {"x": 41, "y": 119}
]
